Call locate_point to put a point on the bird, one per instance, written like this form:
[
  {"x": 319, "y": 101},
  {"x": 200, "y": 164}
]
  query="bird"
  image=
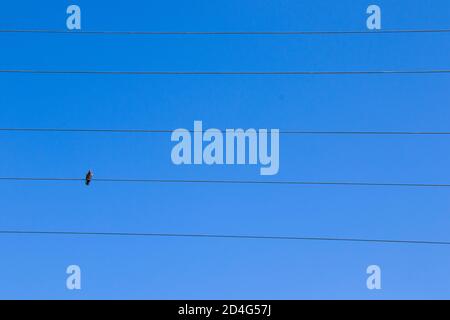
[{"x": 88, "y": 178}]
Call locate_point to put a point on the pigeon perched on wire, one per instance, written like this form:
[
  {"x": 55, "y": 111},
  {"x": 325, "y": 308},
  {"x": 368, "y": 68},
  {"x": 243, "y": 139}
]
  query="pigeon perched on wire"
[{"x": 89, "y": 177}]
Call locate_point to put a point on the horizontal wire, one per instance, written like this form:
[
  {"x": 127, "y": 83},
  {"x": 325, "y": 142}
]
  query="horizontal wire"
[
  {"x": 39, "y": 179},
  {"x": 223, "y": 73},
  {"x": 231, "y": 33},
  {"x": 220, "y": 236},
  {"x": 243, "y": 182},
  {"x": 293, "y": 132}
]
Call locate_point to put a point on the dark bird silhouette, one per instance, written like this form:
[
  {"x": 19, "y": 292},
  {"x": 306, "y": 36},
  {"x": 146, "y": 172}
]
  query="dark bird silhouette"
[{"x": 89, "y": 176}]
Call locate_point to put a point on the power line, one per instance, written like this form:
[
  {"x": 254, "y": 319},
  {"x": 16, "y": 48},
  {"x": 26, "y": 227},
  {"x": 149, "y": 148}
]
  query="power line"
[
  {"x": 39, "y": 179},
  {"x": 223, "y": 73},
  {"x": 226, "y": 33},
  {"x": 150, "y": 131},
  {"x": 219, "y": 236},
  {"x": 233, "y": 182}
]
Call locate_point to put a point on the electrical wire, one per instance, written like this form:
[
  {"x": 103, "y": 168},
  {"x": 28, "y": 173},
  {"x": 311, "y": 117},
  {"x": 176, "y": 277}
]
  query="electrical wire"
[
  {"x": 226, "y": 33},
  {"x": 235, "y": 182},
  {"x": 220, "y": 236},
  {"x": 223, "y": 73},
  {"x": 293, "y": 132}
]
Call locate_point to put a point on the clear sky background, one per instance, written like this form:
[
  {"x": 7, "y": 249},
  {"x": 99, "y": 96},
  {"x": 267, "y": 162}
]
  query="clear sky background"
[{"x": 34, "y": 266}]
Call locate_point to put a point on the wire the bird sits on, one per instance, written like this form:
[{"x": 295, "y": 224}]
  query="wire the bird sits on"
[{"x": 233, "y": 182}]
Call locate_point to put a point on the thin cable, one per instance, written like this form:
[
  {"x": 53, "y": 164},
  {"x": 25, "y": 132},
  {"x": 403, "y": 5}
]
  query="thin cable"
[
  {"x": 293, "y": 132},
  {"x": 219, "y": 236},
  {"x": 222, "y": 73},
  {"x": 225, "y": 33},
  {"x": 234, "y": 182},
  {"x": 39, "y": 179}
]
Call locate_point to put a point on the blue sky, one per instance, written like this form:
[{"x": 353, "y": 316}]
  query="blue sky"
[{"x": 160, "y": 268}]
